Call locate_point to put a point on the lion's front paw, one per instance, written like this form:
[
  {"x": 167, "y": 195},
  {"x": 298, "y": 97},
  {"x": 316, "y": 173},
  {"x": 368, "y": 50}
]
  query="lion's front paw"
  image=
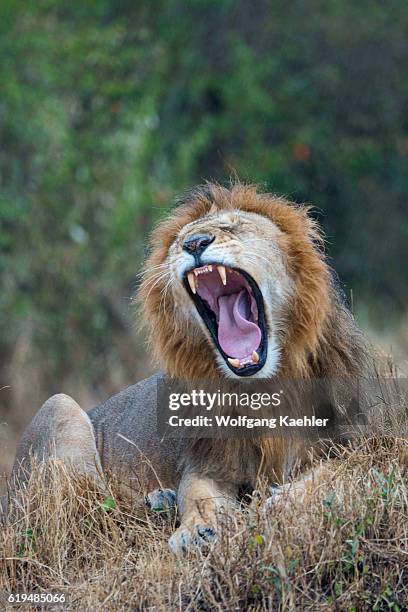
[
  {"x": 161, "y": 500},
  {"x": 185, "y": 539}
]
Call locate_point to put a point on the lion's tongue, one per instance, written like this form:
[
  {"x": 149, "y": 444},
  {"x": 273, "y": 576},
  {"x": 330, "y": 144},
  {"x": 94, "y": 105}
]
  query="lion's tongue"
[{"x": 238, "y": 337}]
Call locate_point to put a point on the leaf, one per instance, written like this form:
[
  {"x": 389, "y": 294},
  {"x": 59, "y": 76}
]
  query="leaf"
[{"x": 108, "y": 504}]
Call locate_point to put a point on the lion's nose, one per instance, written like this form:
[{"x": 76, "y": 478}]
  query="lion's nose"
[{"x": 198, "y": 243}]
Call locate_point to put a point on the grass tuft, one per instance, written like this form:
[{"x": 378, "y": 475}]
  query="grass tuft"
[{"x": 343, "y": 547}]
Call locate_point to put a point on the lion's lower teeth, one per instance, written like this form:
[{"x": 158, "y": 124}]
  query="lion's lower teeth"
[
  {"x": 234, "y": 362},
  {"x": 240, "y": 363}
]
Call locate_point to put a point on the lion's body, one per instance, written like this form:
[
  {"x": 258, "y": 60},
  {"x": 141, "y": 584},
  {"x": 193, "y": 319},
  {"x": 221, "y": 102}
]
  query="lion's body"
[
  {"x": 128, "y": 441},
  {"x": 309, "y": 331}
]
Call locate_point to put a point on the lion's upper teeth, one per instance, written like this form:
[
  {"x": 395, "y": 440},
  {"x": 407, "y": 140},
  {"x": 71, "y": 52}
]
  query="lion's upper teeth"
[
  {"x": 223, "y": 274},
  {"x": 202, "y": 270},
  {"x": 206, "y": 269},
  {"x": 192, "y": 282}
]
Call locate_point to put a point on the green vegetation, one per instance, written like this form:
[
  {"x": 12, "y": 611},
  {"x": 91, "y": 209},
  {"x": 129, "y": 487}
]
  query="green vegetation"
[{"x": 110, "y": 108}]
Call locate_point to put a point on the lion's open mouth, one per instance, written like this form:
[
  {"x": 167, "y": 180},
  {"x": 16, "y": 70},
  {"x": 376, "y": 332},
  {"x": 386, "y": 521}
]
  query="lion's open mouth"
[{"x": 231, "y": 305}]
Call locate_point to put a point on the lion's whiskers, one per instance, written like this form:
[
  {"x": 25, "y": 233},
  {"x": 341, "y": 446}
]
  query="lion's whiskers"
[
  {"x": 163, "y": 292},
  {"x": 161, "y": 277},
  {"x": 152, "y": 277},
  {"x": 146, "y": 271}
]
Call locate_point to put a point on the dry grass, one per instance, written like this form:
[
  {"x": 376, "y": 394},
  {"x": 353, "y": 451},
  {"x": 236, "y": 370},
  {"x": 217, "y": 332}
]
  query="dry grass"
[{"x": 344, "y": 548}]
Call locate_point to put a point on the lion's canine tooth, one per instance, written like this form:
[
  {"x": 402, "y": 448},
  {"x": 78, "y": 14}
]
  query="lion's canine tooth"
[
  {"x": 234, "y": 362},
  {"x": 210, "y": 268},
  {"x": 223, "y": 274},
  {"x": 255, "y": 357},
  {"x": 192, "y": 282},
  {"x": 196, "y": 271}
]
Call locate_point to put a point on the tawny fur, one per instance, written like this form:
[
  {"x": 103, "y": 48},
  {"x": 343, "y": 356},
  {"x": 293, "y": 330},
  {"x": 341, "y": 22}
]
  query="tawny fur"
[
  {"x": 316, "y": 335},
  {"x": 320, "y": 339}
]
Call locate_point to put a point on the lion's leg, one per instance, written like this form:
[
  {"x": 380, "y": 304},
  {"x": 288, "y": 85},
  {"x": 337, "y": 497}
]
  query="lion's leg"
[
  {"x": 199, "y": 501},
  {"x": 60, "y": 429},
  {"x": 300, "y": 488}
]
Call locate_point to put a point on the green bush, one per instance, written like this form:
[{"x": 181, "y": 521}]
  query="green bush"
[{"x": 109, "y": 108}]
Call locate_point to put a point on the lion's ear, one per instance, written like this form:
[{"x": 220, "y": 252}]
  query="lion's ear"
[{"x": 213, "y": 209}]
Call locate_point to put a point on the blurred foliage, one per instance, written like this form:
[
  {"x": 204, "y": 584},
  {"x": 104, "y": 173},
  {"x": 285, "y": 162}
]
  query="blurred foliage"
[{"x": 108, "y": 108}]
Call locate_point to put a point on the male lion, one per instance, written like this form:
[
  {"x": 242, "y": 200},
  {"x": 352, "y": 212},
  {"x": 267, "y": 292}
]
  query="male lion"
[{"x": 236, "y": 286}]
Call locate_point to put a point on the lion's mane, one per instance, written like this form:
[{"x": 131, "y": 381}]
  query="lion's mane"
[{"x": 321, "y": 339}]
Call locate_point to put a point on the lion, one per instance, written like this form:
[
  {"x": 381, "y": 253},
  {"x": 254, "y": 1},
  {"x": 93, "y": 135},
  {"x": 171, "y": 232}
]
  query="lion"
[{"x": 236, "y": 287}]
